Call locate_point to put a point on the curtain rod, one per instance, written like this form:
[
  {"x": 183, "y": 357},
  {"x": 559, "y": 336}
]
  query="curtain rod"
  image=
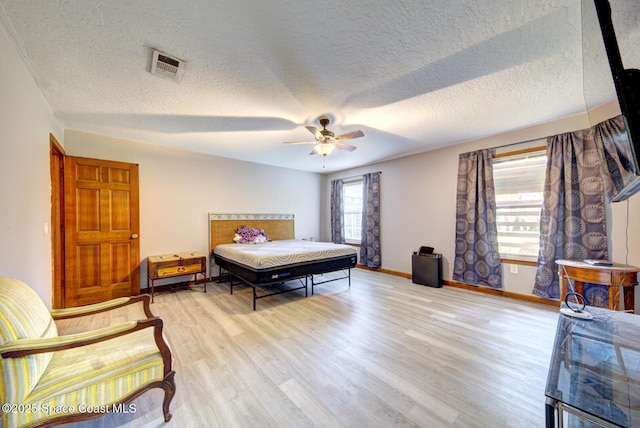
[
  {"x": 520, "y": 142},
  {"x": 359, "y": 175}
]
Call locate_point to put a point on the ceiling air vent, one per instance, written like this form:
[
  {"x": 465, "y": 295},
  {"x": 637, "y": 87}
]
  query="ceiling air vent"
[{"x": 168, "y": 66}]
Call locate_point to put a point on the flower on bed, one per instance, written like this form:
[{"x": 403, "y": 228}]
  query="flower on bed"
[{"x": 250, "y": 235}]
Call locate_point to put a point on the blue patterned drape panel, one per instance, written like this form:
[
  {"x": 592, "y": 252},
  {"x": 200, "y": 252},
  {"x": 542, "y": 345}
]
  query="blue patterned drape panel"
[
  {"x": 617, "y": 164},
  {"x": 572, "y": 220},
  {"x": 370, "y": 242},
  {"x": 477, "y": 259},
  {"x": 337, "y": 214}
]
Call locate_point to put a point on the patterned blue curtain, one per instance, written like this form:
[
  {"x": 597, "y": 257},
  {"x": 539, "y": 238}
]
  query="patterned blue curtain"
[
  {"x": 572, "y": 220},
  {"x": 337, "y": 214},
  {"x": 613, "y": 146},
  {"x": 370, "y": 242},
  {"x": 477, "y": 260}
]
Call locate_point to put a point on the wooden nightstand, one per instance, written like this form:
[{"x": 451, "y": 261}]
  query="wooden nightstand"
[{"x": 172, "y": 265}]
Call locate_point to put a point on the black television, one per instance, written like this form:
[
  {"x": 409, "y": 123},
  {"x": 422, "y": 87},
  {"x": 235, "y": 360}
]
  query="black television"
[{"x": 627, "y": 88}]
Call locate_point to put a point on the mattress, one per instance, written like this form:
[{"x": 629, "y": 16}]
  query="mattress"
[{"x": 281, "y": 253}]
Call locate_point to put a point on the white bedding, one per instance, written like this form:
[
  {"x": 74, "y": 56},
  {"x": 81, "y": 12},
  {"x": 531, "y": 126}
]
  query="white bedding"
[{"x": 278, "y": 253}]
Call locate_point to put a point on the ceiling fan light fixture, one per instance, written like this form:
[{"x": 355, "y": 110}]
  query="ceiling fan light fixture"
[
  {"x": 326, "y": 141},
  {"x": 324, "y": 149}
]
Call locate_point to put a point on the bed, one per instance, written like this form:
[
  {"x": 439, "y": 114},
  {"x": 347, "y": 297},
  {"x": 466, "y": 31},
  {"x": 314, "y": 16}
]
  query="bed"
[{"x": 272, "y": 267}]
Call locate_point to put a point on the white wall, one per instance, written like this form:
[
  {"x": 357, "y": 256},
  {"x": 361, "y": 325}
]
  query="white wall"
[
  {"x": 178, "y": 190},
  {"x": 418, "y": 204},
  {"x": 26, "y": 120}
]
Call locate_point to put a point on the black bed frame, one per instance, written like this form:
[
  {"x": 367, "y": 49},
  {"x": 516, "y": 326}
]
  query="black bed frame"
[{"x": 261, "y": 278}]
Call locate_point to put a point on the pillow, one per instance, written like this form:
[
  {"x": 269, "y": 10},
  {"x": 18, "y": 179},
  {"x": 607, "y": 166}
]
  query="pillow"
[
  {"x": 250, "y": 235},
  {"x": 260, "y": 239}
]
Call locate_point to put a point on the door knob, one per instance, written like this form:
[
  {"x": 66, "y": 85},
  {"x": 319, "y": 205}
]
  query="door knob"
[{"x": 134, "y": 236}]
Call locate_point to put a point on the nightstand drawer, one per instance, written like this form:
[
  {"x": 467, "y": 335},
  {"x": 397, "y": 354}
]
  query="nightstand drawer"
[{"x": 164, "y": 272}]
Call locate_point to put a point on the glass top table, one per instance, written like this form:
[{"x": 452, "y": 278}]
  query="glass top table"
[{"x": 595, "y": 370}]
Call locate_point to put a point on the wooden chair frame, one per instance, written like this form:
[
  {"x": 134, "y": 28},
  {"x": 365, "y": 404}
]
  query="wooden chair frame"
[{"x": 25, "y": 347}]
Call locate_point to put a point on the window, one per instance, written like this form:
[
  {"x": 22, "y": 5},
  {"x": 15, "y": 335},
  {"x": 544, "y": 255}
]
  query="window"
[
  {"x": 519, "y": 185},
  {"x": 352, "y": 206}
]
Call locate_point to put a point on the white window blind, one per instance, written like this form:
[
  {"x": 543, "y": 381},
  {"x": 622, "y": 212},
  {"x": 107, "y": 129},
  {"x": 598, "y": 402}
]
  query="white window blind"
[
  {"x": 519, "y": 185},
  {"x": 352, "y": 206}
]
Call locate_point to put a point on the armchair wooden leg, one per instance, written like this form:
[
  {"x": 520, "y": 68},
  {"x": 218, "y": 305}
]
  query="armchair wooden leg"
[{"x": 169, "y": 386}]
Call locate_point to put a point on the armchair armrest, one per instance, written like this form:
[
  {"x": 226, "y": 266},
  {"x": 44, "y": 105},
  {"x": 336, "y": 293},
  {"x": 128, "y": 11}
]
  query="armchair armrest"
[
  {"x": 22, "y": 347},
  {"x": 145, "y": 299}
]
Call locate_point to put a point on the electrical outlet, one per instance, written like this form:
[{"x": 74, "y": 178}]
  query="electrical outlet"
[{"x": 513, "y": 268}]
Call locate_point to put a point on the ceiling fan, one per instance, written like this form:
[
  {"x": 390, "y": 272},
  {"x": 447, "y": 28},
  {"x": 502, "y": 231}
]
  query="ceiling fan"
[{"x": 326, "y": 142}]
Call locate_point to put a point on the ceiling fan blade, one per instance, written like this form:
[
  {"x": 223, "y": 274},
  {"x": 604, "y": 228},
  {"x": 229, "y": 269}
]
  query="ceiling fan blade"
[
  {"x": 347, "y": 147},
  {"x": 314, "y": 152},
  {"x": 315, "y": 131},
  {"x": 350, "y": 135},
  {"x": 300, "y": 142}
]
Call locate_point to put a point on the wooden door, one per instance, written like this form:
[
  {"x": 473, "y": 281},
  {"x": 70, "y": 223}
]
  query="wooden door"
[{"x": 102, "y": 249}]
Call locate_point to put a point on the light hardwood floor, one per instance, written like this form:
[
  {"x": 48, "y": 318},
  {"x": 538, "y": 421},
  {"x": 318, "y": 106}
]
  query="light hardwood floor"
[{"x": 383, "y": 353}]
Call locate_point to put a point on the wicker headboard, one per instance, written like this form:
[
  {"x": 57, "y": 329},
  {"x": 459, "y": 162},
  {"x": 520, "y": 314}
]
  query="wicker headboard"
[{"x": 222, "y": 227}]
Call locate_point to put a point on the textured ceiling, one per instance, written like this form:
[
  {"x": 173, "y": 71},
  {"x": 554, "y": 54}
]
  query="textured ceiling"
[{"x": 412, "y": 75}]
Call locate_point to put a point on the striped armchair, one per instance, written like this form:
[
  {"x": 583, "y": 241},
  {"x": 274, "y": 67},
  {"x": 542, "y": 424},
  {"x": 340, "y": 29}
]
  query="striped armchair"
[{"x": 47, "y": 379}]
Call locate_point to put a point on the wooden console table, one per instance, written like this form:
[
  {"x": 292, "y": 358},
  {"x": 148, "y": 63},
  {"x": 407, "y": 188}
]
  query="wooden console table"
[
  {"x": 172, "y": 265},
  {"x": 611, "y": 276}
]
